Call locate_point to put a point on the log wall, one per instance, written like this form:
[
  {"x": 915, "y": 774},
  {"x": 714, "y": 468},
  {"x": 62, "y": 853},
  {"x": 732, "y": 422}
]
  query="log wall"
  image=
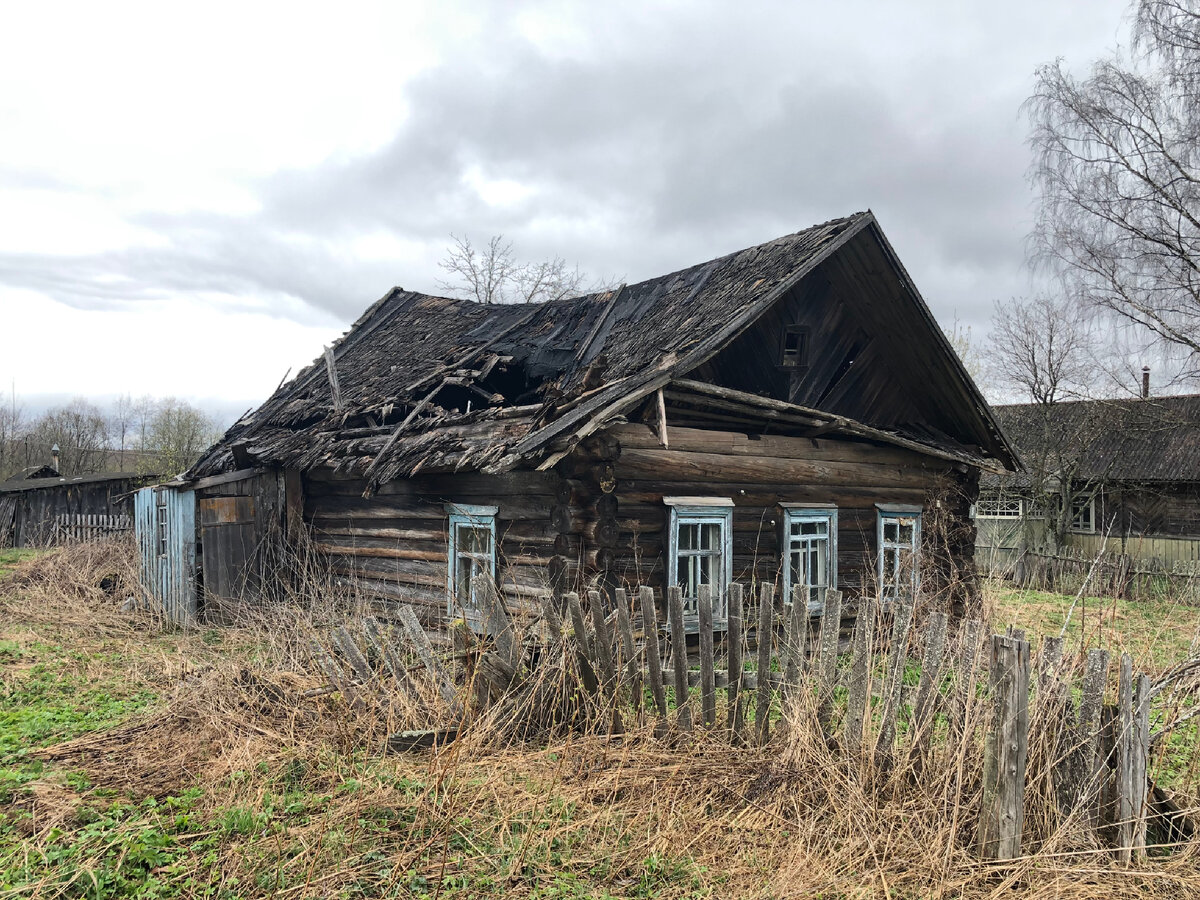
[
  {"x": 598, "y": 519},
  {"x": 395, "y": 543}
]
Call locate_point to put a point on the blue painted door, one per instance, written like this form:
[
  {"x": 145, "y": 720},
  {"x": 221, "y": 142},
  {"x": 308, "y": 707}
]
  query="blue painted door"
[{"x": 164, "y": 521}]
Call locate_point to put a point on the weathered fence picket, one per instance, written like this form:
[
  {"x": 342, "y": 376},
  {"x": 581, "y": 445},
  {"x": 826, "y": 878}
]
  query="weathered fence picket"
[
  {"x": 1097, "y": 758},
  {"x": 1005, "y": 750}
]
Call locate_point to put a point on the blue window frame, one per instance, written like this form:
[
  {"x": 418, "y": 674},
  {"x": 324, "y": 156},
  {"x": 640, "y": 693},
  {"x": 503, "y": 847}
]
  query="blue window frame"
[
  {"x": 809, "y": 552},
  {"x": 701, "y": 552},
  {"x": 899, "y": 539},
  {"x": 472, "y": 552}
]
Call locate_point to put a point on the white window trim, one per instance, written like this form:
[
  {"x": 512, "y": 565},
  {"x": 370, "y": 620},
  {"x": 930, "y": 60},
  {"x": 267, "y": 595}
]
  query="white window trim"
[
  {"x": 463, "y": 514},
  {"x": 796, "y": 512},
  {"x": 703, "y": 511},
  {"x": 897, "y": 511},
  {"x": 979, "y": 505}
]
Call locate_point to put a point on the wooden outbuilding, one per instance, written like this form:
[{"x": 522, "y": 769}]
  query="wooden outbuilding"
[
  {"x": 789, "y": 414},
  {"x": 40, "y": 507}
]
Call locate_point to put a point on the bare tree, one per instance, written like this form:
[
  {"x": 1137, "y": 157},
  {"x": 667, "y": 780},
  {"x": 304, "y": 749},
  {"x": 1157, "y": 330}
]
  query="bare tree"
[
  {"x": 1042, "y": 353},
  {"x": 1117, "y": 165},
  {"x": 81, "y": 433},
  {"x": 1041, "y": 349},
  {"x": 495, "y": 275},
  {"x": 960, "y": 338},
  {"x": 178, "y": 432},
  {"x": 12, "y": 428}
]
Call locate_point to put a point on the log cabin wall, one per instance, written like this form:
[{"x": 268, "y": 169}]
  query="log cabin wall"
[
  {"x": 759, "y": 474},
  {"x": 395, "y": 543}
]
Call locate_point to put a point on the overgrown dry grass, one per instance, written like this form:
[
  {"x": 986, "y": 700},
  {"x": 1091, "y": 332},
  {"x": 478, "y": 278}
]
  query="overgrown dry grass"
[{"x": 206, "y": 772}]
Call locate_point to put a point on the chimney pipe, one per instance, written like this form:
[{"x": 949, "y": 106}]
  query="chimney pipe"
[
  {"x": 1145, "y": 382},
  {"x": 54, "y": 457}
]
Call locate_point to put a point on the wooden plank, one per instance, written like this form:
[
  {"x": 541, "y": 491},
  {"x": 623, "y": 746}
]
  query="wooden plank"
[
  {"x": 679, "y": 661},
  {"x": 603, "y": 649},
  {"x": 1005, "y": 751},
  {"x": 734, "y": 638},
  {"x": 797, "y": 624},
  {"x": 766, "y": 612},
  {"x": 964, "y": 681},
  {"x": 1126, "y": 768},
  {"x": 391, "y": 662},
  {"x": 346, "y": 646},
  {"x": 708, "y": 688},
  {"x": 860, "y": 674},
  {"x": 629, "y": 669},
  {"x": 583, "y": 646},
  {"x": 1139, "y": 762},
  {"x": 927, "y": 688},
  {"x": 420, "y": 642},
  {"x": 1091, "y": 763},
  {"x": 831, "y": 623},
  {"x": 496, "y": 620},
  {"x": 553, "y": 621},
  {"x": 334, "y": 674},
  {"x": 653, "y": 657},
  {"x": 902, "y": 613}
]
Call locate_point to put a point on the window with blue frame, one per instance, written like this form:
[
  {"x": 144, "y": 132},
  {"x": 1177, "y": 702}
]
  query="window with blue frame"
[
  {"x": 472, "y": 553},
  {"x": 810, "y": 553},
  {"x": 899, "y": 539},
  {"x": 701, "y": 552}
]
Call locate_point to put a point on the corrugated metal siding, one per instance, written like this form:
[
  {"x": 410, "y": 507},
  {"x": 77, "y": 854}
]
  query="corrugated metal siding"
[{"x": 170, "y": 577}]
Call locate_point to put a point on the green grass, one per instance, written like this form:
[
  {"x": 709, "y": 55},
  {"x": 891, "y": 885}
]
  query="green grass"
[
  {"x": 1160, "y": 631},
  {"x": 11, "y": 557}
]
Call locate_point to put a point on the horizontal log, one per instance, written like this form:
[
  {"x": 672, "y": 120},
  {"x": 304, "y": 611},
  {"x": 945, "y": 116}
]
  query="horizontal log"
[
  {"x": 636, "y": 436},
  {"x": 350, "y": 551},
  {"x": 689, "y": 466},
  {"x": 326, "y": 528}
]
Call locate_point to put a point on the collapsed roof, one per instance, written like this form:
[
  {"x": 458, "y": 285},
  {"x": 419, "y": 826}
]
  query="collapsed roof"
[{"x": 422, "y": 383}]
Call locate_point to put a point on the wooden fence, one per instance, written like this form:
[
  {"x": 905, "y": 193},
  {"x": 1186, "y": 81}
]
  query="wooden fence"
[
  {"x": 767, "y": 670},
  {"x": 89, "y": 526}
]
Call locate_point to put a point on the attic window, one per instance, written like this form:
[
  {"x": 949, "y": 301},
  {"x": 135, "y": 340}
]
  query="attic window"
[{"x": 795, "y": 347}]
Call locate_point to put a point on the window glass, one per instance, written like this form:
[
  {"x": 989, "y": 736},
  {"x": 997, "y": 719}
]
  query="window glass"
[
  {"x": 472, "y": 553},
  {"x": 700, "y": 551},
  {"x": 810, "y": 555},
  {"x": 899, "y": 545}
]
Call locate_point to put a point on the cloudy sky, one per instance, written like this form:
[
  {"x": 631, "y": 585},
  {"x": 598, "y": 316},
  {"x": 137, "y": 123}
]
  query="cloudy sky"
[{"x": 194, "y": 198}]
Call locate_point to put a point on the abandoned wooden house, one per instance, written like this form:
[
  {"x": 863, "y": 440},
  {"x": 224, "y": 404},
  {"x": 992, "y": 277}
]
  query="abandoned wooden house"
[
  {"x": 1122, "y": 473},
  {"x": 40, "y": 507},
  {"x": 788, "y": 414}
]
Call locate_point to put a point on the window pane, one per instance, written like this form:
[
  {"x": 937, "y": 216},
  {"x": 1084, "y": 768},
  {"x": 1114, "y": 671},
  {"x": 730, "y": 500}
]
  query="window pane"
[
  {"x": 891, "y": 530},
  {"x": 905, "y": 530},
  {"x": 473, "y": 539},
  {"x": 710, "y": 536},
  {"x": 462, "y": 582},
  {"x": 687, "y": 536}
]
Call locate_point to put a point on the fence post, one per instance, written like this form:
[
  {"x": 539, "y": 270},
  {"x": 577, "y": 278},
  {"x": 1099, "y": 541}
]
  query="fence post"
[
  {"x": 831, "y": 623},
  {"x": 1002, "y": 816},
  {"x": 927, "y": 689},
  {"x": 603, "y": 648},
  {"x": 860, "y": 673},
  {"x": 631, "y": 672},
  {"x": 1133, "y": 747},
  {"x": 766, "y": 612},
  {"x": 1090, "y": 763},
  {"x": 708, "y": 687},
  {"x": 583, "y": 650},
  {"x": 683, "y": 708},
  {"x": 653, "y": 659},
  {"x": 894, "y": 676},
  {"x": 733, "y": 638}
]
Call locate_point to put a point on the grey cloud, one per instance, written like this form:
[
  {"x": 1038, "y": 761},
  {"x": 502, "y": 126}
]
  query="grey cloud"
[{"x": 693, "y": 136}]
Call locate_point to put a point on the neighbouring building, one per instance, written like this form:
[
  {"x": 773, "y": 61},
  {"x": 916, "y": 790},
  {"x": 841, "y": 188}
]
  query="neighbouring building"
[
  {"x": 39, "y": 507},
  {"x": 1119, "y": 474},
  {"x": 790, "y": 414}
]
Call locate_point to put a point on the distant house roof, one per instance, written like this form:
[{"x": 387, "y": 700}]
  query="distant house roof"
[
  {"x": 43, "y": 482},
  {"x": 29, "y": 472},
  {"x": 431, "y": 383},
  {"x": 1136, "y": 440}
]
